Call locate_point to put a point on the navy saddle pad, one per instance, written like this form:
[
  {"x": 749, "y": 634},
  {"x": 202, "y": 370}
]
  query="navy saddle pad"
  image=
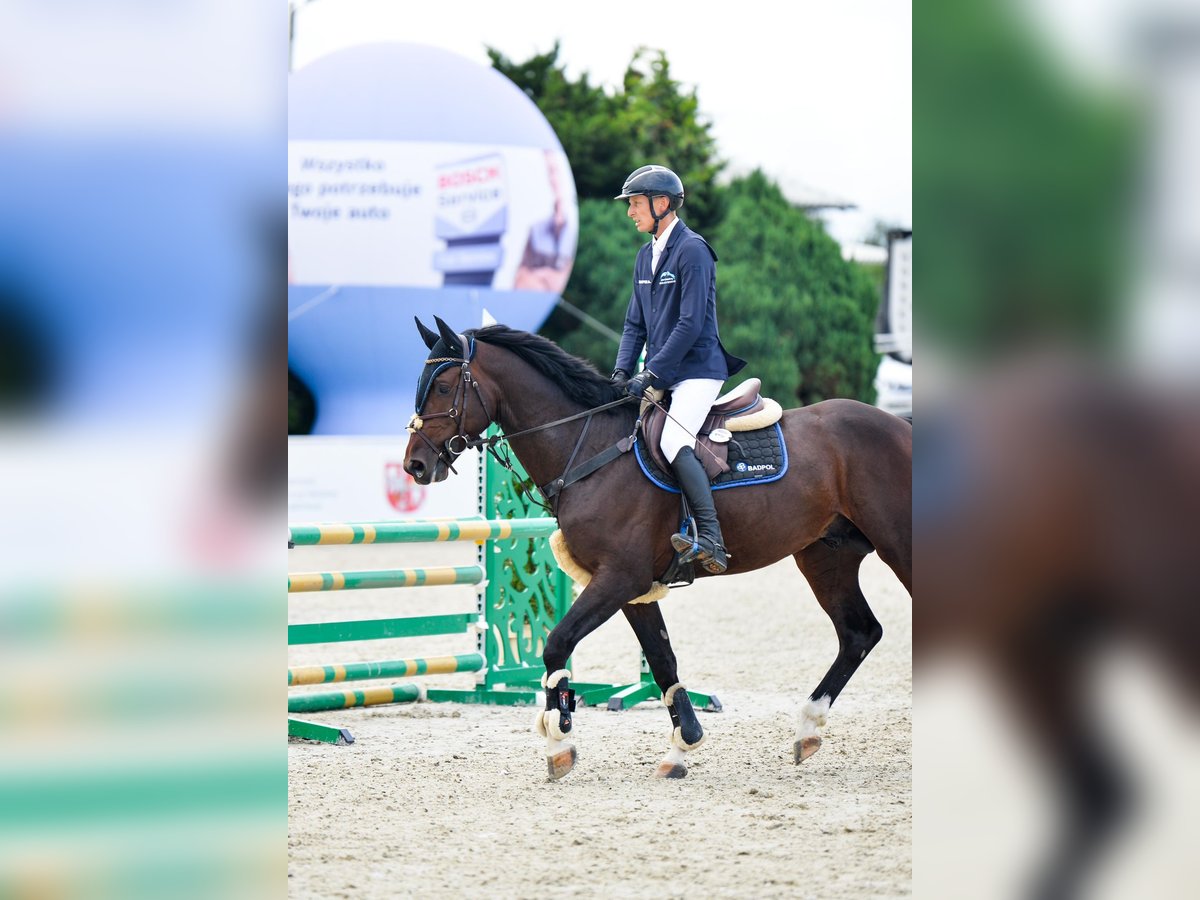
[{"x": 755, "y": 457}]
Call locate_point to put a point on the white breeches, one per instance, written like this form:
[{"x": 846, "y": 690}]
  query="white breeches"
[{"x": 690, "y": 402}]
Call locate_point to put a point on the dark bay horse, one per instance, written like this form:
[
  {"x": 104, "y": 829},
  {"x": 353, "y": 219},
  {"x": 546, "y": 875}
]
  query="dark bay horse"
[{"x": 847, "y": 491}]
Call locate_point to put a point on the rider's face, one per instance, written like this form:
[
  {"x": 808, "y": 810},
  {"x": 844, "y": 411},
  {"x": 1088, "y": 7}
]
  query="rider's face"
[{"x": 639, "y": 211}]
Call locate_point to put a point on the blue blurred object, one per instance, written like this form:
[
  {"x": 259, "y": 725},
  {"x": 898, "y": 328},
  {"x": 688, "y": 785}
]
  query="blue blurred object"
[{"x": 141, "y": 266}]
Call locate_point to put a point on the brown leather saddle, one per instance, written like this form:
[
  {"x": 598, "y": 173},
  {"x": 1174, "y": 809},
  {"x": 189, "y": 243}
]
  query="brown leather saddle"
[{"x": 741, "y": 409}]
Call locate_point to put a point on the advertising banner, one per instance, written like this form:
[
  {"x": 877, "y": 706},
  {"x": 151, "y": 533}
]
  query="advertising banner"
[
  {"x": 420, "y": 183},
  {"x": 362, "y": 479},
  {"x": 429, "y": 215}
]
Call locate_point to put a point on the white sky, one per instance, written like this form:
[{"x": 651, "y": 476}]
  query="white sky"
[{"x": 817, "y": 94}]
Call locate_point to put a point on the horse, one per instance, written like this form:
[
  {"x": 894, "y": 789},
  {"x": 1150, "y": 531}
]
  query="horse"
[{"x": 847, "y": 492}]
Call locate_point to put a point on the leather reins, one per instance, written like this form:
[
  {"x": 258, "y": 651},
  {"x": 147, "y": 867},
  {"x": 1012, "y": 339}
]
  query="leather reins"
[{"x": 457, "y": 413}]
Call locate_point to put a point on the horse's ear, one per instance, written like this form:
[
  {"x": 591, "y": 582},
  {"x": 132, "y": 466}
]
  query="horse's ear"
[
  {"x": 453, "y": 341},
  {"x": 429, "y": 337}
]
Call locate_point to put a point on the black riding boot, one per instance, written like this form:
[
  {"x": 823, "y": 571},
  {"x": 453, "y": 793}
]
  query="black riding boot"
[{"x": 693, "y": 481}]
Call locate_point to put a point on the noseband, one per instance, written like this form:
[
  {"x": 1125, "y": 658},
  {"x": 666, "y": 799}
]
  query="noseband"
[{"x": 457, "y": 413}]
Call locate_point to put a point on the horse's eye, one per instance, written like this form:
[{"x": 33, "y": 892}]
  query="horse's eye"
[{"x": 443, "y": 388}]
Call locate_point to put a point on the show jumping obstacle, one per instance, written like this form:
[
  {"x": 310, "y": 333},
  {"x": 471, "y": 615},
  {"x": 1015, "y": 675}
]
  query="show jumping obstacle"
[{"x": 521, "y": 595}]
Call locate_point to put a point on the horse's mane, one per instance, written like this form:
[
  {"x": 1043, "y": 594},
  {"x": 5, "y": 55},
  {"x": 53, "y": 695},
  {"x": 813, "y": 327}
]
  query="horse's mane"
[{"x": 578, "y": 378}]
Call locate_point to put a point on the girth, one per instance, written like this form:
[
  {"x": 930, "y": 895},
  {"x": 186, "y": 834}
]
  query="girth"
[{"x": 586, "y": 468}]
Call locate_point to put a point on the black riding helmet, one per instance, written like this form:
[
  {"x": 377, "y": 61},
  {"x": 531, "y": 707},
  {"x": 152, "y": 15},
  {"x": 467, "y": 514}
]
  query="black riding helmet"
[{"x": 654, "y": 181}]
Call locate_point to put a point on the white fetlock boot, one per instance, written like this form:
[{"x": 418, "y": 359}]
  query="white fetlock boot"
[{"x": 812, "y": 716}]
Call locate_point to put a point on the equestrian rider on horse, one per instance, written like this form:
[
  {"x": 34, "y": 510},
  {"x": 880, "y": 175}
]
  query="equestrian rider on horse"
[{"x": 673, "y": 312}]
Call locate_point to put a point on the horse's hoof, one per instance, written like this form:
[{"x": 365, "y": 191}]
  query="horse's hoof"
[
  {"x": 806, "y": 747},
  {"x": 561, "y": 762},
  {"x": 671, "y": 770}
]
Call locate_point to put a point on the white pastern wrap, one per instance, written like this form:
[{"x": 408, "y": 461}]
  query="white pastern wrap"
[
  {"x": 812, "y": 716},
  {"x": 676, "y": 757},
  {"x": 539, "y": 723},
  {"x": 551, "y": 679},
  {"x": 576, "y": 572},
  {"x": 554, "y": 747}
]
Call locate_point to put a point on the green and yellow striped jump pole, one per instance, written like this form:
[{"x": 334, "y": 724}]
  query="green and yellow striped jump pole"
[
  {"x": 302, "y": 582},
  {"x": 387, "y": 668},
  {"x": 395, "y": 693},
  {"x": 420, "y": 532}
]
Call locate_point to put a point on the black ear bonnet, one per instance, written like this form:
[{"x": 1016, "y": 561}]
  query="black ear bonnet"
[{"x": 442, "y": 351}]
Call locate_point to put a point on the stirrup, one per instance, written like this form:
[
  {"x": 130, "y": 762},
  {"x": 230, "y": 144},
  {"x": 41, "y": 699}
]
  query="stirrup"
[
  {"x": 712, "y": 556},
  {"x": 686, "y": 541}
]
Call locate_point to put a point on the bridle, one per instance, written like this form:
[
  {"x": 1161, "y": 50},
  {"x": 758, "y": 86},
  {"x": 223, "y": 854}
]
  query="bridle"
[{"x": 457, "y": 413}]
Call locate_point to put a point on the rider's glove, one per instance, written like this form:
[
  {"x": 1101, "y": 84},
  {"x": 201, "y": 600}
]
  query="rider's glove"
[
  {"x": 637, "y": 385},
  {"x": 618, "y": 376}
]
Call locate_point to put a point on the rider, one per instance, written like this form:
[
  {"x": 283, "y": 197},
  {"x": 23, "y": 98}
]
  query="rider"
[{"x": 673, "y": 311}]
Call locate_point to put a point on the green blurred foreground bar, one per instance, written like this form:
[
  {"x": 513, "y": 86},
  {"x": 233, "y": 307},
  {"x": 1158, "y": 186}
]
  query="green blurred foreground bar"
[
  {"x": 375, "y": 629},
  {"x": 469, "y": 529},
  {"x": 65, "y": 796},
  {"x": 302, "y": 582}
]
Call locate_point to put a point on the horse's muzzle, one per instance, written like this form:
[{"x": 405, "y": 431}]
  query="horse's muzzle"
[{"x": 423, "y": 472}]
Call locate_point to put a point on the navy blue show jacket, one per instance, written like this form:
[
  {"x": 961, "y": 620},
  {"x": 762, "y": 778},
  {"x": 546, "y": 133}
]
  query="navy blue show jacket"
[{"x": 674, "y": 313}]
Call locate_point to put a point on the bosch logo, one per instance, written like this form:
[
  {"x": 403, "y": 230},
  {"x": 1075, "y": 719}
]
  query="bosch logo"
[{"x": 469, "y": 176}]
